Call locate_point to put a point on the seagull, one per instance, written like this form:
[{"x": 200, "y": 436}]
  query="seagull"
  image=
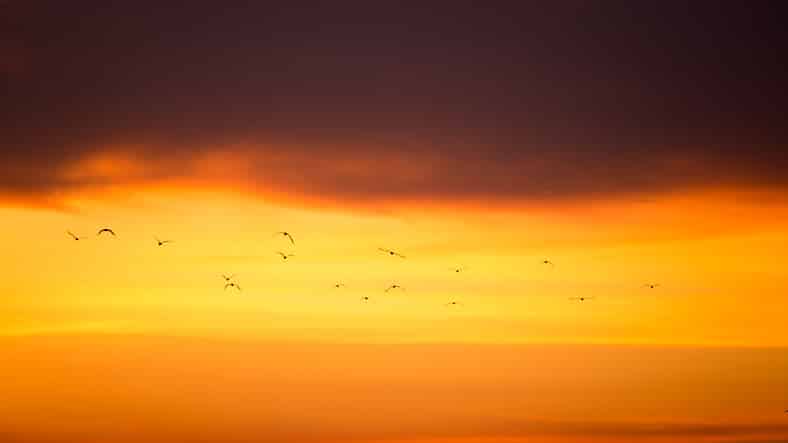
[
  {"x": 651, "y": 285},
  {"x": 459, "y": 269},
  {"x": 228, "y": 279},
  {"x": 74, "y": 236},
  {"x": 232, "y": 284},
  {"x": 391, "y": 252},
  {"x": 162, "y": 242},
  {"x": 286, "y": 234},
  {"x": 580, "y": 299},
  {"x": 394, "y": 286},
  {"x": 452, "y": 303},
  {"x": 548, "y": 262},
  {"x": 108, "y": 230},
  {"x": 339, "y": 285},
  {"x": 285, "y": 256},
  {"x": 365, "y": 299}
]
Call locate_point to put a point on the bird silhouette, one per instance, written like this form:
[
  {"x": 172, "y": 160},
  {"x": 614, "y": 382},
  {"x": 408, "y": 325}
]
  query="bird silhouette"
[
  {"x": 458, "y": 269},
  {"x": 391, "y": 252},
  {"x": 452, "y": 303},
  {"x": 286, "y": 234},
  {"x": 365, "y": 299},
  {"x": 285, "y": 256},
  {"x": 581, "y": 299},
  {"x": 651, "y": 285},
  {"x": 228, "y": 279},
  {"x": 232, "y": 284},
  {"x": 339, "y": 285},
  {"x": 107, "y": 230},
  {"x": 74, "y": 236},
  {"x": 162, "y": 242},
  {"x": 394, "y": 286},
  {"x": 548, "y": 262}
]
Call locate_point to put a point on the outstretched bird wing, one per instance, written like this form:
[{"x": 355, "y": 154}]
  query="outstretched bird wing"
[
  {"x": 106, "y": 230},
  {"x": 72, "y": 235}
]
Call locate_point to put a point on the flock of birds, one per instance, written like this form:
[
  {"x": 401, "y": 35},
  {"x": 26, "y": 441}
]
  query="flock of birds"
[{"x": 231, "y": 283}]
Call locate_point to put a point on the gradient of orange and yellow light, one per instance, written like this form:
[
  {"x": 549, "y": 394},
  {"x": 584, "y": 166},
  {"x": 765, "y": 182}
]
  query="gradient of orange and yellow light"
[
  {"x": 91, "y": 324},
  {"x": 717, "y": 255}
]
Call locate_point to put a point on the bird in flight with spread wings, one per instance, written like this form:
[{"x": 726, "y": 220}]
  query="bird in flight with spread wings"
[
  {"x": 74, "y": 236},
  {"x": 107, "y": 230},
  {"x": 232, "y": 284},
  {"x": 581, "y": 299},
  {"x": 391, "y": 252},
  {"x": 285, "y": 256},
  {"x": 394, "y": 286},
  {"x": 286, "y": 234},
  {"x": 162, "y": 242}
]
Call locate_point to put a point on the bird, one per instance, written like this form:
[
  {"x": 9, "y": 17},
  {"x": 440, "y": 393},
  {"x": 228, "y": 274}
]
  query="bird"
[
  {"x": 108, "y": 230},
  {"x": 458, "y": 269},
  {"x": 391, "y": 252},
  {"x": 228, "y": 279},
  {"x": 580, "y": 299},
  {"x": 548, "y": 262},
  {"x": 286, "y": 234},
  {"x": 651, "y": 285},
  {"x": 453, "y": 303},
  {"x": 232, "y": 284},
  {"x": 365, "y": 299},
  {"x": 394, "y": 286},
  {"x": 74, "y": 236},
  {"x": 339, "y": 285},
  {"x": 285, "y": 256},
  {"x": 162, "y": 242}
]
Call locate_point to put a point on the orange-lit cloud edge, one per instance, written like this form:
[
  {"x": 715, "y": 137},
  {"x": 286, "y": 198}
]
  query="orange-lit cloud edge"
[{"x": 346, "y": 180}]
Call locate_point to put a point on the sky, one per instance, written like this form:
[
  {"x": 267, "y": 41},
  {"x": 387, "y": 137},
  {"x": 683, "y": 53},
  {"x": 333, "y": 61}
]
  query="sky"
[{"x": 627, "y": 144}]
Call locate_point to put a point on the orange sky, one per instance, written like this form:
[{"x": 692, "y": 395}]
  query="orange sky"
[
  {"x": 86, "y": 323},
  {"x": 627, "y": 143}
]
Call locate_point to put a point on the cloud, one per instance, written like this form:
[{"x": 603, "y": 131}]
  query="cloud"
[{"x": 393, "y": 103}]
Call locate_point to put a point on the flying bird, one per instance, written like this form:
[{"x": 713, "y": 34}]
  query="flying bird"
[
  {"x": 391, "y": 252},
  {"x": 162, "y": 242},
  {"x": 339, "y": 285},
  {"x": 452, "y": 303},
  {"x": 285, "y": 256},
  {"x": 232, "y": 284},
  {"x": 228, "y": 279},
  {"x": 74, "y": 236},
  {"x": 458, "y": 269},
  {"x": 651, "y": 285},
  {"x": 365, "y": 299},
  {"x": 285, "y": 234},
  {"x": 394, "y": 286},
  {"x": 580, "y": 299},
  {"x": 548, "y": 262},
  {"x": 107, "y": 230}
]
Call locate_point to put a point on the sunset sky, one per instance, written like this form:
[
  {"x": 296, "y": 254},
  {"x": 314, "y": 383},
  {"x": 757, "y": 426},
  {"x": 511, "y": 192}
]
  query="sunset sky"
[{"x": 628, "y": 144}]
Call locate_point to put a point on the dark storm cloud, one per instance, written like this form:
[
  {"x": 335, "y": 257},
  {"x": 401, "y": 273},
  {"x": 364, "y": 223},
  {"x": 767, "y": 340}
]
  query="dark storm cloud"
[{"x": 515, "y": 100}]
